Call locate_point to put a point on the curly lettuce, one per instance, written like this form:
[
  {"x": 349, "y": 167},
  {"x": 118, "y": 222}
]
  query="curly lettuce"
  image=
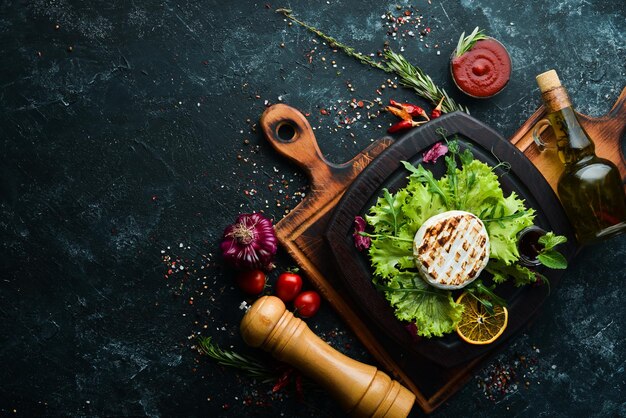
[{"x": 473, "y": 187}]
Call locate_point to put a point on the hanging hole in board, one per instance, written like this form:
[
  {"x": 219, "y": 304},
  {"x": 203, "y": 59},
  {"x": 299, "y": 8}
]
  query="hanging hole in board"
[{"x": 286, "y": 132}]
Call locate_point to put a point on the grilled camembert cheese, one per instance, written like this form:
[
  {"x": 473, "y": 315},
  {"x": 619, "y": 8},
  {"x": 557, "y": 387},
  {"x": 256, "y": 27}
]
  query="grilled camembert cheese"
[{"x": 451, "y": 249}]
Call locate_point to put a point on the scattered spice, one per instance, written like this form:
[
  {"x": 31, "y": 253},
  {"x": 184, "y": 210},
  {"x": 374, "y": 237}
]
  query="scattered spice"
[{"x": 410, "y": 76}]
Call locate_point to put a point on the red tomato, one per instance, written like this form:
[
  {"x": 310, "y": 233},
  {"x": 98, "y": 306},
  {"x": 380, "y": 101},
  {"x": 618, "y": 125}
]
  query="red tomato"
[
  {"x": 251, "y": 282},
  {"x": 288, "y": 286},
  {"x": 307, "y": 303}
]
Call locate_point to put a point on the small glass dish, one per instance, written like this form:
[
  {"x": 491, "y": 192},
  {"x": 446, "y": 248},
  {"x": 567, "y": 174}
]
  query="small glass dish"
[{"x": 528, "y": 245}]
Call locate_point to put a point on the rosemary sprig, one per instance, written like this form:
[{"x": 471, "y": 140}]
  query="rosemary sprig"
[
  {"x": 232, "y": 359},
  {"x": 335, "y": 43},
  {"x": 416, "y": 79},
  {"x": 467, "y": 42},
  {"x": 410, "y": 76}
]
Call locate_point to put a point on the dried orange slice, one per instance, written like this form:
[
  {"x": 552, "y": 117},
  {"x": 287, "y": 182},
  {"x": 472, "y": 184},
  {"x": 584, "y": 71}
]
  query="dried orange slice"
[{"x": 477, "y": 326}]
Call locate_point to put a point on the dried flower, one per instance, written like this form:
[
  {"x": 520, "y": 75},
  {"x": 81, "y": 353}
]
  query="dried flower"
[
  {"x": 411, "y": 327},
  {"x": 360, "y": 242},
  {"x": 436, "y": 151}
]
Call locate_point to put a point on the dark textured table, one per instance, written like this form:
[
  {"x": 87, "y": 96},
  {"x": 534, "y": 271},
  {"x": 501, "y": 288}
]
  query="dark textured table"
[{"x": 129, "y": 141}]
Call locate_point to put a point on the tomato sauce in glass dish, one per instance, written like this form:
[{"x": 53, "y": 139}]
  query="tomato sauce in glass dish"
[{"x": 484, "y": 70}]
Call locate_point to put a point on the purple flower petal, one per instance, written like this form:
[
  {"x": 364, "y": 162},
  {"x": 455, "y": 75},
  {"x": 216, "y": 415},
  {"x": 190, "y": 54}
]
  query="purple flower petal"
[
  {"x": 411, "y": 327},
  {"x": 435, "y": 152},
  {"x": 360, "y": 242}
]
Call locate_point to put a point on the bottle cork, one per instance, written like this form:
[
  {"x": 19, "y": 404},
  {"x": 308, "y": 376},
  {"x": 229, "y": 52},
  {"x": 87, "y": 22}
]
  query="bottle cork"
[
  {"x": 548, "y": 81},
  {"x": 553, "y": 93}
]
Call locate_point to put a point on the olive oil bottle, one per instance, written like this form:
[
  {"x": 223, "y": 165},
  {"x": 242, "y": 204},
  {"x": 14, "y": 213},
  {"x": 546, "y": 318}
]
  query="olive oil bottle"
[{"x": 590, "y": 187}]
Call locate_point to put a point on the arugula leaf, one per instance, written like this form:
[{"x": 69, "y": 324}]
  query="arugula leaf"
[
  {"x": 386, "y": 215},
  {"x": 420, "y": 174},
  {"x": 391, "y": 209},
  {"x": 453, "y": 186}
]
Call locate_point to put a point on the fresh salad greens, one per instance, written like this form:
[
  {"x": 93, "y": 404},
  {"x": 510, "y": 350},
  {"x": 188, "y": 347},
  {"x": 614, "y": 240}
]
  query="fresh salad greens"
[
  {"x": 548, "y": 256},
  {"x": 468, "y": 185}
]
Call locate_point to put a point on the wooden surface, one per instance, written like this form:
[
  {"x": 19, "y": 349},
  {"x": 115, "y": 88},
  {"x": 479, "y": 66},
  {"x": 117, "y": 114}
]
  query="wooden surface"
[
  {"x": 361, "y": 389},
  {"x": 606, "y": 133},
  {"x": 301, "y": 231}
]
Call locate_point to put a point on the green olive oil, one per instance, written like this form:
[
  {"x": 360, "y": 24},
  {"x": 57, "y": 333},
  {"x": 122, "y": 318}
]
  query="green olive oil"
[{"x": 590, "y": 188}]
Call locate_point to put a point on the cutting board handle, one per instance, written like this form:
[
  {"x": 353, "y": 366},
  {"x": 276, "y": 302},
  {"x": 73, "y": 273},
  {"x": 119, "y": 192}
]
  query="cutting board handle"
[{"x": 291, "y": 135}]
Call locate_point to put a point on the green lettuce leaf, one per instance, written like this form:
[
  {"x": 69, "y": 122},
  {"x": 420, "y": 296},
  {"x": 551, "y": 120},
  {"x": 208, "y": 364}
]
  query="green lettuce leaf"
[
  {"x": 433, "y": 310},
  {"x": 503, "y": 233},
  {"x": 389, "y": 255},
  {"x": 501, "y": 272}
]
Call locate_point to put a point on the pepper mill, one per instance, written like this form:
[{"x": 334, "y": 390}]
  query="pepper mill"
[{"x": 360, "y": 389}]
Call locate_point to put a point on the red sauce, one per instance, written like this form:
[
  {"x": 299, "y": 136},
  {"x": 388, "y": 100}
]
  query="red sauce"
[{"x": 484, "y": 70}]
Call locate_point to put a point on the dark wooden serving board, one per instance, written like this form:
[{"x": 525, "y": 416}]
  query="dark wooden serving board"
[
  {"x": 300, "y": 233},
  {"x": 387, "y": 171}
]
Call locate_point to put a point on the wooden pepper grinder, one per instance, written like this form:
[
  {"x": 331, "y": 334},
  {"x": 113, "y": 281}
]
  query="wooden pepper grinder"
[{"x": 362, "y": 390}]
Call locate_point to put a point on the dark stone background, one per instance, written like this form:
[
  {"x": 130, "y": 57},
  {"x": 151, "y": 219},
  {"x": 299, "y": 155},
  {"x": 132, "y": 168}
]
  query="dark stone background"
[{"x": 136, "y": 148}]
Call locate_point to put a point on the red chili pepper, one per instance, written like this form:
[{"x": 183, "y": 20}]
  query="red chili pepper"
[
  {"x": 403, "y": 125},
  {"x": 411, "y": 109},
  {"x": 401, "y": 113},
  {"x": 436, "y": 112},
  {"x": 282, "y": 381}
]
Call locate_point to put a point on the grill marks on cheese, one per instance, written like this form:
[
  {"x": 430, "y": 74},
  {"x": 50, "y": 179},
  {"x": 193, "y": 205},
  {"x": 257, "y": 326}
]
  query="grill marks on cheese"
[{"x": 451, "y": 249}]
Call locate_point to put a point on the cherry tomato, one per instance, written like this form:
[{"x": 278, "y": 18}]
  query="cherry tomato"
[
  {"x": 288, "y": 286},
  {"x": 307, "y": 303},
  {"x": 251, "y": 282}
]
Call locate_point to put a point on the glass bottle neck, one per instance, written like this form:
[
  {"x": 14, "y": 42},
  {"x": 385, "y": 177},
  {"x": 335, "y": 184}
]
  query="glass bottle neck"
[{"x": 572, "y": 141}]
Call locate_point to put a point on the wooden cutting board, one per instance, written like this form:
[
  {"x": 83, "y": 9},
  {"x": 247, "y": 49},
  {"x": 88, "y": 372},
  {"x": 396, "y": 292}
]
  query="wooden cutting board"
[{"x": 301, "y": 232}]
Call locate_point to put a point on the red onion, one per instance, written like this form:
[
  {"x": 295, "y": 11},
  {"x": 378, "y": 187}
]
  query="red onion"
[{"x": 250, "y": 243}]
